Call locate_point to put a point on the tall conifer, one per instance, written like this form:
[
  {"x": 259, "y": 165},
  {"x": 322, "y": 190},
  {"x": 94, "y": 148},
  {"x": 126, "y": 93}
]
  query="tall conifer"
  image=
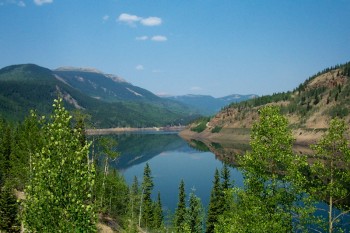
[
  {"x": 214, "y": 204},
  {"x": 180, "y": 212},
  {"x": 147, "y": 205}
]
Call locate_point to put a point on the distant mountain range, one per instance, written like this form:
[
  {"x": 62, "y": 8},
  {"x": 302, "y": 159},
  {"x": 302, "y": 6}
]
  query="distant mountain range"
[
  {"x": 208, "y": 105},
  {"x": 108, "y": 99}
]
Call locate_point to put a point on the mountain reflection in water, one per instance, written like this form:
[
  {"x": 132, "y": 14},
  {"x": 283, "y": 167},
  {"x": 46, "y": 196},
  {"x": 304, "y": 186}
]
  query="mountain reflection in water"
[{"x": 171, "y": 159}]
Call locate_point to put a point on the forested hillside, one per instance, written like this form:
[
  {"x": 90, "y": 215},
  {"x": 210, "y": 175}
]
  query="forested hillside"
[{"x": 26, "y": 87}]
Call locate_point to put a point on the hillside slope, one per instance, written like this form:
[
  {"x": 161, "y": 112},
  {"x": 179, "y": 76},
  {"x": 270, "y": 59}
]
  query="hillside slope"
[
  {"x": 26, "y": 87},
  {"x": 309, "y": 108}
]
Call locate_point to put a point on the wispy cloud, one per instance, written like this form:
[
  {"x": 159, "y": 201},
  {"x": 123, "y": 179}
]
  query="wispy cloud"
[
  {"x": 159, "y": 38},
  {"x": 139, "y": 67},
  {"x": 105, "y": 18},
  {"x": 15, "y": 2},
  {"x": 42, "y": 2},
  {"x": 151, "y": 21},
  {"x": 131, "y": 20},
  {"x": 21, "y": 4},
  {"x": 142, "y": 38}
]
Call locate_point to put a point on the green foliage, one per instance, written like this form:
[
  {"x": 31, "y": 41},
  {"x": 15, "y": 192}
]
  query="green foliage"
[
  {"x": 215, "y": 208},
  {"x": 216, "y": 129},
  {"x": 339, "y": 111},
  {"x": 158, "y": 214},
  {"x": 27, "y": 139},
  {"x": 147, "y": 204},
  {"x": 134, "y": 200},
  {"x": 219, "y": 197},
  {"x": 200, "y": 124},
  {"x": 251, "y": 213},
  {"x": 59, "y": 194},
  {"x": 180, "y": 212},
  {"x": 346, "y": 69},
  {"x": 8, "y": 210},
  {"x": 330, "y": 171},
  {"x": 199, "y": 145},
  {"x": 111, "y": 194},
  {"x": 195, "y": 214},
  {"x": 269, "y": 201}
]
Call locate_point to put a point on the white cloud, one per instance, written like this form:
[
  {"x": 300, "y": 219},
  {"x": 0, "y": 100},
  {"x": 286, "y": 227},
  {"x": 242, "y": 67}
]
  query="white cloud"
[
  {"x": 21, "y": 4},
  {"x": 41, "y": 2},
  {"x": 133, "y": 19},
  {"x": 15, "y": 2},
  {"x": 105, "y": 18},
  {"x": 129, "y": 19},
  {"x": 142, "y": 38},
  {"x": 139, "y": 67},
  {"x": 151, "y": 21},
  {"x": 159, "y": 38}
]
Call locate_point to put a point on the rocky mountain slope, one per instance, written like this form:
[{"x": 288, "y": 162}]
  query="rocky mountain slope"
[{"x": 309, "y": 108}]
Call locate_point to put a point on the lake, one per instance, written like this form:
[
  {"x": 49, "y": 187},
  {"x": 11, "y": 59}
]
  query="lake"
[{"x": 171, "y": 159}]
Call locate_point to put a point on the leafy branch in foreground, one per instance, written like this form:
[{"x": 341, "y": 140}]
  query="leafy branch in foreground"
[{"x": 59, "y": 194}]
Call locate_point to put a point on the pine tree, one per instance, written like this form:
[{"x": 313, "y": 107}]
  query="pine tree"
[
  {"x": 59, "y": 194},
  {"x": 226, "y": 184},
  {"x": 8, "y": 210},
  {"x": 134, "y": 198},
  {"x": 27, "y": 140},
  {"x": 195, "y": 214},
  {"x": 180, "y": 212},
  {"x": 158, "y": 214},
  {"x": 146, "y": 200},
  {"x": 214, "y": 203}
]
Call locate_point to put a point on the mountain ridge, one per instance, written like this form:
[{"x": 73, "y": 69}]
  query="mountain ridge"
[{"x": 28, "y": 86}]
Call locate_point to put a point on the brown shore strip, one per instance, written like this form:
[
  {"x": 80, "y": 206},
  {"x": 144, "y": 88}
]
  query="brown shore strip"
[
  {"x": 302, "y": 137},
  {"x": 129, "y": 130}
]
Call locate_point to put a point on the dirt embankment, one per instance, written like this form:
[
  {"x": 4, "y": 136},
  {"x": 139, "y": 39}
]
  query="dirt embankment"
[{"x": 302, "y": 136}]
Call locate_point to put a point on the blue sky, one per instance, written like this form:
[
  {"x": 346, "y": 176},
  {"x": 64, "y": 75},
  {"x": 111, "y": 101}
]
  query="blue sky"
[{"x": 175, "y": 47}]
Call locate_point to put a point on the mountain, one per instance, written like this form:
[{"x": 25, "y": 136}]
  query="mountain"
[
  {"x": 29, "y": 86},
  {"x": 309, "y": 107},
  {"x": 236, "y": 98},
  {"x": 207, "y": 105},
  {"x": 106, "y": 87},
  {"x": 113, "y": 89}
]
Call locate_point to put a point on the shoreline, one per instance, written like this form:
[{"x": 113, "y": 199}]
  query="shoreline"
[
  {"x": 118, "y": 130},
  {"x": 302, "y": 137}
]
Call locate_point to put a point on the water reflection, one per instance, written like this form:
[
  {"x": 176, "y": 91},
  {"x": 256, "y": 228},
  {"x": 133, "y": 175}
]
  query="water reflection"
[{"x": 171, "y": 159}]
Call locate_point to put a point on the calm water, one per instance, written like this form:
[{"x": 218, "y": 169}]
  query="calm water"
[{"x": 171, "y": 159}]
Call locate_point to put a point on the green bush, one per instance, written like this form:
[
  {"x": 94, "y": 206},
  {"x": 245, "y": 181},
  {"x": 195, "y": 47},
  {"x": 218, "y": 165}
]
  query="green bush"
[{"x": 217, "y": 129}]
